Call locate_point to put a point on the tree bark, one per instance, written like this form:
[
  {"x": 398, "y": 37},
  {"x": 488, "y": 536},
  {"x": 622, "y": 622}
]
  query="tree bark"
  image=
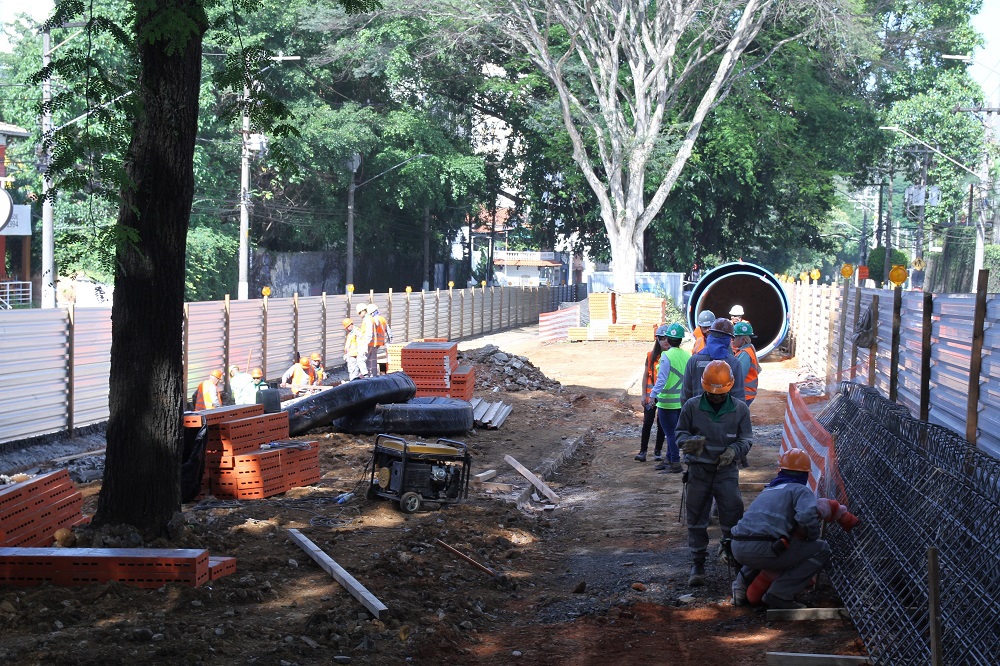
[{"x": 146, "y": 399}]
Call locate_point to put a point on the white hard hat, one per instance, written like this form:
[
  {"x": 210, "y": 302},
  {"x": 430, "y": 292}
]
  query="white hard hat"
[
  {"x": 736, "y": 311},
  {"x": 362, "y": 307}
]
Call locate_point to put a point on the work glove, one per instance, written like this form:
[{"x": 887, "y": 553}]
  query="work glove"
[
  {"x": 728, "y": 456},
  {"x": 694, "y": 446}
]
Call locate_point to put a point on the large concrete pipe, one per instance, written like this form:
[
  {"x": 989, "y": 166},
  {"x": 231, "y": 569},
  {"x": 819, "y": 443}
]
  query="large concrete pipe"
[{"x": 763, "y": 299}]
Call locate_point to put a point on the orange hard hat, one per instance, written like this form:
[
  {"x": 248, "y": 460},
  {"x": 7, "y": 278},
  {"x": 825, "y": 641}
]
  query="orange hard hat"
[
  {"x": 257, "y": 373},
  {"x": 718, "y": 378},
  {"x": 347, "y": 323},
  {"x": 217, "y": 374},
  {"x": 795, "y": 460},
  {"x": 314, "y": 356},
  {"x": 304, "y": 361}
]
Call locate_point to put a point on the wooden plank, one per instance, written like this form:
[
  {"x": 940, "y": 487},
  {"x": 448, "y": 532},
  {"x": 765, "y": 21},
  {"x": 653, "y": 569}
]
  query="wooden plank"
[
  {"x": 484, "y": 476},
  {"x": 800, "y": 614},
  {"x": 976, "y": 365},
  {"x": 897, "y": 305},
  {"x": 796, "y": 659},
  {"x": 925, "y": 357},
  {"x": 357, "y": 590},
  {"x": 466, "y": 558},
  {"x": 535, "y": 481},
  {"x": 493, "y": 487}
]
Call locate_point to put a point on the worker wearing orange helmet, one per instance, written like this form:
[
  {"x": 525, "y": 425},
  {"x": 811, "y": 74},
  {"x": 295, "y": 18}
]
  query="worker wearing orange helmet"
[
  {"x": 713, "y": 431},
  {"x": 206, "y": 396},
  {"x": 319, "y": 373},
  {"x": 780, "y": 533},
  {"x": 299, "y": 376},
  {"x": 351, "y": 349},
  {"x": 259, "y": 383}
]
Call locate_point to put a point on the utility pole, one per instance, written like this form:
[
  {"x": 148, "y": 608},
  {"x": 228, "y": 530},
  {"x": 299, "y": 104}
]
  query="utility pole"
[
  {"x": 887, "y": 264},
  {"x": 863, "y": 243}
]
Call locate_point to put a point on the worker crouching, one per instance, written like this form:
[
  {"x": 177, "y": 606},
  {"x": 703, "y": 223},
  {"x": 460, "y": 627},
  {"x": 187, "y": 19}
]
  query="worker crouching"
[
  {"x": 779, "y": 534},
  {"x": 713, "y": 431}
]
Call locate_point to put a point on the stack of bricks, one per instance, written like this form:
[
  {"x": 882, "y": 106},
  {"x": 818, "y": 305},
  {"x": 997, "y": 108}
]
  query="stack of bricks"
[
  {"x": 32, "y": 511},
  {"x": 602, "y": 306},
  {"x": 249, "y": 456},
  {"x": 394, "y": 350},
  {"x": 433, "y": 367},
  {"x": 140, "y": 567},
  {"x": 638, "y": 316}
]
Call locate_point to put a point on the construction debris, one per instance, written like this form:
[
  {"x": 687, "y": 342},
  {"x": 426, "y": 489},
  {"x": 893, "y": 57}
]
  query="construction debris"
[
  {"x": 462, "y": 556},
  {"x": 535, "y": 481},
  {"x": 499, "y": 371},
  {"x": 490, "y": 415}
]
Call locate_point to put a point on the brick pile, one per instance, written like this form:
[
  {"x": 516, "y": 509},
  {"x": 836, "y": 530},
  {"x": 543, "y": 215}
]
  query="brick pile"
[
  {"x": 249, "y": 456},
  {"x": 433, "y": 366},
  {"x": 139, "y": 567},
  {"x": 32, "y": 511}
]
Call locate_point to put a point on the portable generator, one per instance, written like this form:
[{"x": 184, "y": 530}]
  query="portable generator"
[{"x": 412, "y": 473}]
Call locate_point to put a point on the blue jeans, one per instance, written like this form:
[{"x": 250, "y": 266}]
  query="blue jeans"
[{"x": 667, "y": 418}]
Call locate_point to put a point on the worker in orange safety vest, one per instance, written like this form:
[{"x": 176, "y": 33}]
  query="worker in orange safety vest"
[
  {"x": 383, "y": 336},
  {"x": 351, "y": 349},
  {"x": 206, "y": 396},
  {"x": 705, "y": 319},
  {"x": 317, "y": 367},
  {"x": 299, "y": 376},
  {"x": 747, "y": 356}
]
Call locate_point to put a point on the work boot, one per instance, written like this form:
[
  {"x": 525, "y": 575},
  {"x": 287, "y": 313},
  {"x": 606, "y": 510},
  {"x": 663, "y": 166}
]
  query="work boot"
[
  {"x": 676, "y": 468},
  {"x": 739, "y": 591},
  {"x": 697, "y": 576},
  {"x": 657, "y": 455},
  {"x": 777, "y": 603},
  {"x": 661, "y": 466},
  {"x": 641, "y": 456}
]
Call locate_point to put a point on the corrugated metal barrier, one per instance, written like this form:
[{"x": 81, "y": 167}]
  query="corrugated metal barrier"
[{"x": 54, "y": 364}]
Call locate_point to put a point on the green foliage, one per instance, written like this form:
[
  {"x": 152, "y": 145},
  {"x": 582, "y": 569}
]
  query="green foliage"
[
  {"x": 953, "y": 270},
  {"x": 991, "y": 262},
  {"x": 876, "y": 262},
  {"x": 210, "y": 257}
]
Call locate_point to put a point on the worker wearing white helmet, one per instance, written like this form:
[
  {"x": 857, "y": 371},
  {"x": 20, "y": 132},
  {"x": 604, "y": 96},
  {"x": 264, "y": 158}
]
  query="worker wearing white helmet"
[
  {"x": 367, "y": 352},
  {"x": 736, "y": 314}
]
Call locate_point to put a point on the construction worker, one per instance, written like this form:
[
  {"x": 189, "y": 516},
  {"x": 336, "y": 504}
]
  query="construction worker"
[
  {"x": 241, "y": 384},
  {"x": 257, "y": 375},
  {"x": 705, "y": 320},
  {"x": 666, "y": 392},
  {"x": 718, "y": 347},
  {"x": 317, "y": 367},
  {"x": 351, "y": 349},
  {"x": 747, "y": 356},
  {"x": 298, "y": 376},
  {"x": 383, "y": 336},
  {"x": 736, "y": 314},
  {"x": 780, "y": 533},
  {"x": 206, "y": 396},
  {"x": 367, "y": 354},
  {"x": 649, "y": 375},
  {"x": 713, "y": 431}
]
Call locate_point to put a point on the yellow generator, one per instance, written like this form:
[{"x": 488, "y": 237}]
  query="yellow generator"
[{"x": 412, "y": 473}]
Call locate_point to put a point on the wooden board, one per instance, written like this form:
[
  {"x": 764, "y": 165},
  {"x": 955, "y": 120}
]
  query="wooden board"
[
  {"x": 535, "y": 481},
  {"x": 796, "y": 659},
  {"x": 357, "y": 590},
  {"x": 798, "y": 614},
  {"x": 485, "y": 476}
]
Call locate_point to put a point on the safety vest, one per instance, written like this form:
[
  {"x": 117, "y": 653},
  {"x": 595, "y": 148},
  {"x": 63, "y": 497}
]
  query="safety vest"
[
  {"x": 699, "y": 341},
  {"x": 367, "y": 335},
  {"x": 652, "y": 367},
  {"x": 206, "y": 396},
  {"x": 318, "y": 373},
  {"x": 381, "y": 330},
  {"x": 750, "y": 381},
  {"x": 351, "y": 344},
  {"x": 670, "y": 396},
  {"x": 302, "y": 376}
]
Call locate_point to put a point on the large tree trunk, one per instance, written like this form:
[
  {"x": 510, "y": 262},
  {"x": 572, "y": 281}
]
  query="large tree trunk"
[{"x": 142, "y": 469}]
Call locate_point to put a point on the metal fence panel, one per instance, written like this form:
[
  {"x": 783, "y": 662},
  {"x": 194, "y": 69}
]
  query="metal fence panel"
[
  {"x": 280, "y": 340},
  {"x": 205, "y": 342},
  {"x": 951, "y": 354},
  {"x": 989, "y": 397},
  {"x": 910, "y": 349},
  {"x": 246, "y": 334},
  {"x": 311, "y": 326},
  {"x": 883, "y": 361},
  {"x": 336, "y": 313},
  {"x": 35, "y": 346},
  {"x": 91, "y": 365}
]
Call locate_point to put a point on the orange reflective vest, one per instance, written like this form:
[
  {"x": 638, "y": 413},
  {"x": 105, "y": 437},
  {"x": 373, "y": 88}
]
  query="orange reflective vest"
[
  {"x": 750, "y": 381},
  {"x": 652, "y": 367},
  {"x": 351, "y": 343},
  {"x": 207, "y": 396},
  {"x": 381, "y": 330},
  {"x": 302, "y": 376},
  {"x": 699, "y": 341}
]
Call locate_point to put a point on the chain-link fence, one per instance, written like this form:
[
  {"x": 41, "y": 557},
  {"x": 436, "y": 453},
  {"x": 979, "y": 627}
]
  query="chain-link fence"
[{"x": 915, "y": 486}]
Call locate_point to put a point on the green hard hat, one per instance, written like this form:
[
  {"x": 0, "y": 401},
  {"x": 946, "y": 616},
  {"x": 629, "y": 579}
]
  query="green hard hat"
[
  {"x": 672, "y": 331},
  {"x": 743, "y": 328}
]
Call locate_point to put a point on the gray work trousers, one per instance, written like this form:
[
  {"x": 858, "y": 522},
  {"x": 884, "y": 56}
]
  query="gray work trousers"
[
  {"x": 797, "y": 565},
  {"x": 353, "y": 371},
  {"x": 705, "y": 483}
]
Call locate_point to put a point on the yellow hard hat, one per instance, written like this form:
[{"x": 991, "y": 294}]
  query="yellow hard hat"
[
  {"x": 304, "y": 361},
  {"x": 347, "y": 323},
  {"x": 315, "y": 356},
  {"x": 257, "y": 373},
  {"x": 217, "y": 374}
]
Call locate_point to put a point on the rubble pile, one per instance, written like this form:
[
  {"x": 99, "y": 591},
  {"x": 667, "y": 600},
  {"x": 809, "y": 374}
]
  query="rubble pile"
[{"x": 497, "y": 370}]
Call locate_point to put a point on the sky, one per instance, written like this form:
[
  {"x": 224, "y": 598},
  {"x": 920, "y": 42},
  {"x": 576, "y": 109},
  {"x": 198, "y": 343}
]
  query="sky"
[{"x": 985, "y": 69}]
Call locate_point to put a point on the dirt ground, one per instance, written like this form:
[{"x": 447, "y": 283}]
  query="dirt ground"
[{"x": 598, "y": 580}]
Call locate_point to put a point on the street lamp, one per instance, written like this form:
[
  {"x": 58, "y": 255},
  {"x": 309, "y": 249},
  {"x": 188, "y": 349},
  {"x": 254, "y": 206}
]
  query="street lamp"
[
  {"x": 243, "y": 288},
  {"x": 355, "y": 164}
]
